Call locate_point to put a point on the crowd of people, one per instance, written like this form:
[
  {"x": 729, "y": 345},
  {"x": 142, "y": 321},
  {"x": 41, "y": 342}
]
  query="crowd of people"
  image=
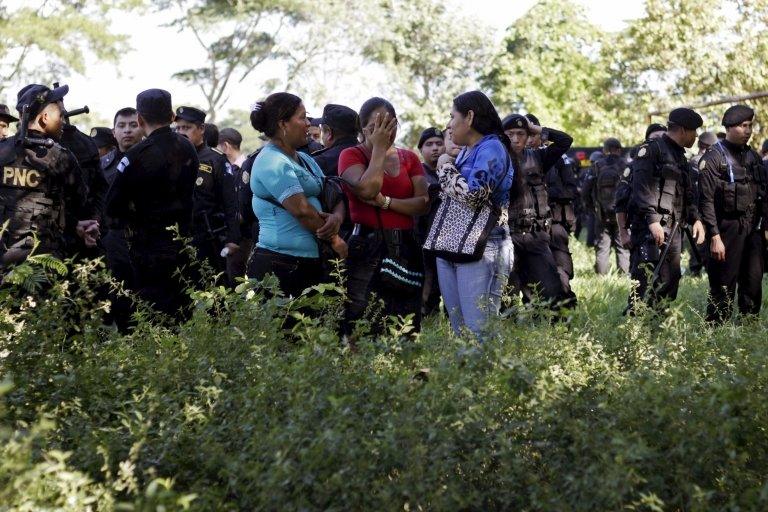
[{"x": 485, "y": 205}]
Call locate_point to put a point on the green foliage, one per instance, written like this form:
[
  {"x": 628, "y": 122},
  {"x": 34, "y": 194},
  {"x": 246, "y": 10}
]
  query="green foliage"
[
  {"x": 232, "y": 412},
  {"x": 429, "y": 57},
  {"x": 59, "y": 33},
  {"x": 595, "y": 84}
]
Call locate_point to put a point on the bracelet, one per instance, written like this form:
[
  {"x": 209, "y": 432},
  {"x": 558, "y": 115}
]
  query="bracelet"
[{"x": 387, "y": 201}]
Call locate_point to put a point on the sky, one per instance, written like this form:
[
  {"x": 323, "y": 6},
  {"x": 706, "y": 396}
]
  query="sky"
[{"x": 160, "y": 51}]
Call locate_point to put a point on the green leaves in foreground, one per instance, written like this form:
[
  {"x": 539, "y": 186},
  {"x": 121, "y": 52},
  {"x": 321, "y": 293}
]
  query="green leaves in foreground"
[{"x": 231, "y": 412}]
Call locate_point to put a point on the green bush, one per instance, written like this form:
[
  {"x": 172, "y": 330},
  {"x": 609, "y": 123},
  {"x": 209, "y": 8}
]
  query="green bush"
[{"x": 231, "y": 412}]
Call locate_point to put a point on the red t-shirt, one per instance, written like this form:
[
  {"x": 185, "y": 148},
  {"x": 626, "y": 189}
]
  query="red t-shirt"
[{"x": 399, "y": 187}]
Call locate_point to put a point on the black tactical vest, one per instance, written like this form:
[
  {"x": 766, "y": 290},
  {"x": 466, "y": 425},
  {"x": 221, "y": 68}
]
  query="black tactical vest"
[
  {"x": 31, "y": 201},
  {"x": 670, "y": 176},
  {"x": 608, "y": 173},
  {"x": 741, "y": 186},
  {"x": 529, "y": 204}
]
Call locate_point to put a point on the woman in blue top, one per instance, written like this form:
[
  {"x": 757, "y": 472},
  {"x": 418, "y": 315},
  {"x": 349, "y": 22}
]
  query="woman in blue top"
[
  {"x": 482, "y": 173},
  {"x": 287, "y": 186}
]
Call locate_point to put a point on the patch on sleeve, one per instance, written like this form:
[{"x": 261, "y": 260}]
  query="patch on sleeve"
[
  {"x": 228, "y": 168},
  {"x": 642, "y": 151},
  {"x": 702, "y": 164},
  {"x": 199, "y": 181},
  {"x": 205, "y": 168},
  {"x": 123, "y": 164},
  {"x": 626, "y": 172},
  {"x": 246, "y": 177}
]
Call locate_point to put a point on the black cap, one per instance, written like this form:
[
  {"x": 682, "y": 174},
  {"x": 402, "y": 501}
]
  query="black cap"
[
  {"x": 5, "y": 114},
  {"x": 532, "y": 118},
  {"x": 191, "y": 114},
  {"x": 737, "y": 114},
  {"x": 707, "y": 138},
  {"x": 340, "y": 117},
  {"x": 230, "y": 135},
  {"x": 654, "y": 127},
  {"x": 315, "y": 121},
  {"x": 103, "y": 137},
  {"x": 514, "y": 121},
  {"x": 38, "y": 96},
  {"x": 686, "y": 118},
  {"x": 155, "y": 102},
  {"x": 611, "y": 143},
  {"x": 428, "y": 134}
]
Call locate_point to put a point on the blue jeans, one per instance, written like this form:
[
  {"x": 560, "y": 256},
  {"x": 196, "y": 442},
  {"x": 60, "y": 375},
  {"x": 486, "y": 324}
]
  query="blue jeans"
[{"x": 472, "y": 291}]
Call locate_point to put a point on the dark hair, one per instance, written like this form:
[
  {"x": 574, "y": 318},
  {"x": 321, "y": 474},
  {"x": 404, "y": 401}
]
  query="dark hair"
[
  {"x": 211, "y": 134},
  {"x": 279, "y": 106},
  {"x": 124, "y": 112},
  {"x": 157, "y": 118},
  {"x": 486, "y": 120},
  {"x": 231, "y": 136},
  {"x": 373, "y": 104}
]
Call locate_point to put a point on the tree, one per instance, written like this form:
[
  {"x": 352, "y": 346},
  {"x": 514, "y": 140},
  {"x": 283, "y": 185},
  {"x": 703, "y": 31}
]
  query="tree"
[
  {"x": 236, "y": 35},
  {"x": 57, "y": 33},
  {"x": 551, "y": 66},
  {"x": 429, "y": 57}
]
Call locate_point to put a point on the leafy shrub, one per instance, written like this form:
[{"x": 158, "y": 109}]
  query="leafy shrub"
[{"x": 231, "y": 412}]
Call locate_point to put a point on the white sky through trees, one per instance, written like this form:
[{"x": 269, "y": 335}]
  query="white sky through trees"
[{"x": 158, "y": 52}]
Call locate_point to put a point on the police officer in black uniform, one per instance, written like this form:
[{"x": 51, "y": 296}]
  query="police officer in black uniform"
[
  {"x": 624, "y": 188},
  {"x": 662, "y": 202},
  {"x": 85, "y": 151},
  {"x": 153, "y": 191},
  {"x": 215, "y": 224},
  {"x": 600, "y": 196},
  {"x": 5, "y": 121},
  {"x": 339, "y": 128},
  {"x": 734, "y": 209},
  {"x": 562, "y": 190},
  {"x": 104, "y": 140},
  {"x": 535, "y": 269},
  {"x": 42, "y": 193}
]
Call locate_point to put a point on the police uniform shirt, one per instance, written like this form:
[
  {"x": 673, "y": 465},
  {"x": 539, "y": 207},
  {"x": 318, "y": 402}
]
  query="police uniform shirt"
[
  {"x": 87, "y": 154},
  {"x": 154, "y": 184},
  {"x": 562, "y": 185},
  {"x": 53, "y": 174},
  {"x": 109, "y": 165},
  {"x": 328, "y": 159},
  {"x": 741, "y": 184},
  {"x": 645, "y": 197},
  {"x": 215, "y": 193}
]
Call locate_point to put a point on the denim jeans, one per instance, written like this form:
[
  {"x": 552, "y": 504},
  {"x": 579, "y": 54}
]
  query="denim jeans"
[{"x": 472, "y": 291}]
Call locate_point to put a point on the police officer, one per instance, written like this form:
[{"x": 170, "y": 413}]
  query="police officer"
[
  {"x": 87, "y": 154},
  {"x": 5, "y": 121},
  {"x": 339, "y": 128},
  {"x": 215, "y": 224},
  {"x": 562, "y": 190},
  {"x": 535, "y": 269},
  {"x": 697, "y": 255},
  {"x": 104, "y": 140},
  {"x": 600, "y": 196},
  {"x": 42, "y": 193},
  {"x": 624, "y": 188},
  {"x": 126, "y": 134},
  {"x": 734, "y": 208},
  {"x": 663, "y": 200},
  {"x": 152, "y": 192}
]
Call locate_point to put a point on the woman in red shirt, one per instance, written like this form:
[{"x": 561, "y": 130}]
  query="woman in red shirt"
[{"x": 386, "y": 188}]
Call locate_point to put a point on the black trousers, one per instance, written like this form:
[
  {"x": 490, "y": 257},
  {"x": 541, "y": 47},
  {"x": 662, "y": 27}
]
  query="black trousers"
[
  {"x": 535, "y": 271},
  {"x": 644, "y": 257},
  {"x": 364, "y": 286},
  {"x": 161, "y": 273},
  {"x": 742, "y": 272},
  {"x": 118, "y": 261},
  {"x": 294, "y": 274},
  {"x": 559, "y": 238}
]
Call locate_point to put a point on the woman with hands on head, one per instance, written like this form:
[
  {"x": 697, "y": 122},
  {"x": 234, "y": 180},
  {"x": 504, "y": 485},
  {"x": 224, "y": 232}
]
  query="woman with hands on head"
[
  {"x": 386, "y": 188},
  {"x": 287, "y": 186}
]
